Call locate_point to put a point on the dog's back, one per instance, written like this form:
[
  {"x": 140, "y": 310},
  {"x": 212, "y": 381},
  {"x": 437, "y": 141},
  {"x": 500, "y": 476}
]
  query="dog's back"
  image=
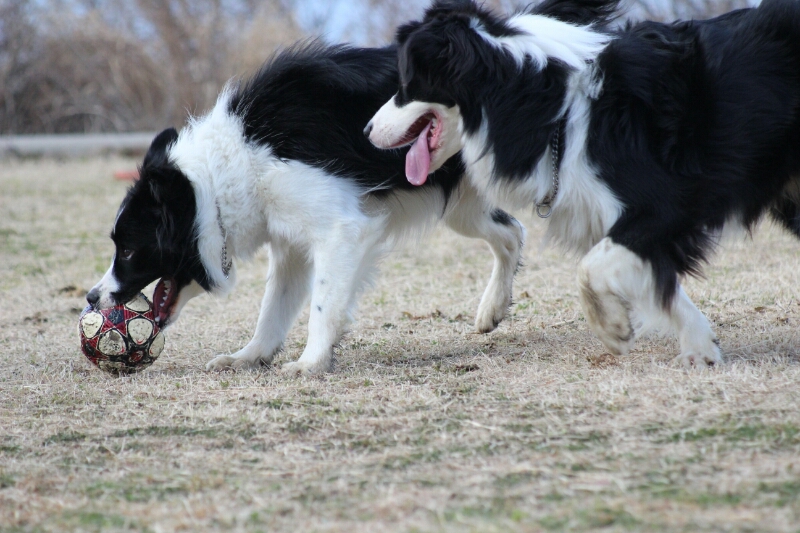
[{"x": 310, "y": 103}]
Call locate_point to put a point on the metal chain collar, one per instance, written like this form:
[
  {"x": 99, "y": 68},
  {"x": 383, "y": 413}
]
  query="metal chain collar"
[
  {"x": 545, "y": 208},
  {"x": 227, "y": 264}
]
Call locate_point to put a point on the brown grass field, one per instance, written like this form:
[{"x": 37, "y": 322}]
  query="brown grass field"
[{"x": 423, "y": 426}]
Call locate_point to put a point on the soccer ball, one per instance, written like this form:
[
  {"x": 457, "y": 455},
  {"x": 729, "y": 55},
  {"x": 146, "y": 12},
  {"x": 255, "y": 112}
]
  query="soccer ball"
[{"x": 122, "y": 339}]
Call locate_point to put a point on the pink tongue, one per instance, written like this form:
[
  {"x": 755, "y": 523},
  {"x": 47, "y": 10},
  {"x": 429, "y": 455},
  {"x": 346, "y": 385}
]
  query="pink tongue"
[{"x": 418, "y": 159}]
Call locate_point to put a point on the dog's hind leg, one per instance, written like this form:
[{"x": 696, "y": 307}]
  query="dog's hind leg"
[
  {"x": 618, "y": 296},
  {"x": 470, "y": 215},
  {"x": 288, "y": 282}
]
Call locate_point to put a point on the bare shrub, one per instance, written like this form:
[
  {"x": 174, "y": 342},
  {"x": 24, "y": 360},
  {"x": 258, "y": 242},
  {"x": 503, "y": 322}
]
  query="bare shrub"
[
  {"x": 66, "y": 85},
  {"x": 91, "y": 70},
  {"x": 126, "y": 65},
  {"x": 270, "y": 28}
]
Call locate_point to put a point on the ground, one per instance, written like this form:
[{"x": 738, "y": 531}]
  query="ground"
[{"x": 423, "y": 426}]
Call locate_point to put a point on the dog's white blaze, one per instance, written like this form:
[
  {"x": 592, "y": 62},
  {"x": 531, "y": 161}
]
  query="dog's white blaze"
[
  {"x": 108, "y": 284},
  {"x": 391, "y": 123},
  {"x": 543, "y": 38}
]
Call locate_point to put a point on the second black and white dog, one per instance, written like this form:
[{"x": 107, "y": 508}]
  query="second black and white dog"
[
  {"x": 281, "y": 160},
  {"x": 640, "y": 143}
]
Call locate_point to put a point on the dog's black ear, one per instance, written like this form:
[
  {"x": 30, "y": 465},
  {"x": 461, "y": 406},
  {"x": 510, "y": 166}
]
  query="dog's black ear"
[
  {"x": 401, "y": 36},
  {"x": 157, "y": 152},
  {"x": 448, "y": 6},
  {"x": 580, "y": 12},
  {"x": 443, "y": 49}
]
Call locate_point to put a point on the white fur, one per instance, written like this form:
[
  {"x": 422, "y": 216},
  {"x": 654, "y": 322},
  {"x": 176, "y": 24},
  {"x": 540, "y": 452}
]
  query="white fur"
[
  {"x": 618, "y": 297},
  {"x": 543, "y": 38},
  {"x": 108, "y": 284},
  {"x": 390, "y": 124},
  {"x": 585, "y": 208},
  {"x": 617, "y": 288},
  {"x": 324, "y": 234}
]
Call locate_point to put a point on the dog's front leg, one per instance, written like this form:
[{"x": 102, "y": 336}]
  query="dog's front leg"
[
  {"x": 288, "y": 282},
  {"x": 337, "y": 263}
]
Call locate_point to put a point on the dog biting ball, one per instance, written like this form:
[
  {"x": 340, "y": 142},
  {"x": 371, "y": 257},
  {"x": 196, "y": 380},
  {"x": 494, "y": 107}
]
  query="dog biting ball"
[{"x": 123, "y": 339}]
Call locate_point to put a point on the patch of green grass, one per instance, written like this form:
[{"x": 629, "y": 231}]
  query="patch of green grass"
[
  {"x": 554, "y": 523},
  {"x": 91, "y": 521},
  {"x": 514, "y": 479},
  {"x": 404, "y": 461},
  {"x": 584, "y": 441},
  {"x": 788, "y": 491},
  {"x": 781, "y": 434},
  {"x": 602, "y": 517},
  {"x": 496, "y": 510},
  {"x": 64, "y": 437},
  {"x": 167, "y": 431},
  {"x": 135, "y": 490},
  {"x": 671, "y": 491},
  {"x": 6, "y": 480}
]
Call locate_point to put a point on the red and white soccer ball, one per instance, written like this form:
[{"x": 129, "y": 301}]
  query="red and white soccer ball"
[{"x": 122, "y": 339}]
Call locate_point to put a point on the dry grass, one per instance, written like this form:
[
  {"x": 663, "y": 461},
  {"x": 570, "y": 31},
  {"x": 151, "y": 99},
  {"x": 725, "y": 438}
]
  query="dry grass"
[{"x": 424, "y": 426}]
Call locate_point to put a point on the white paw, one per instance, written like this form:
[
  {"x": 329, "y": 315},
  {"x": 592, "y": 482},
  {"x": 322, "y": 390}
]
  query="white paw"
[
  {"x": 232, "y": 362},
  {"x": 490, "y": 314},
  {"x": 302, "y": 368},
  {"x": 220, "y": 362},
  {"x": 700, "y": 360}
]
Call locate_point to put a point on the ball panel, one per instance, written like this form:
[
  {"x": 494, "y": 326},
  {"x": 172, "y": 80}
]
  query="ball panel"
[
  {"x": 111, "y": 343},
  {"x": 157, "y": 346},
  {"x": 139, "y": 304},
  {"x": 140, "y": 330},
  {"x": 91, "y": 324}
]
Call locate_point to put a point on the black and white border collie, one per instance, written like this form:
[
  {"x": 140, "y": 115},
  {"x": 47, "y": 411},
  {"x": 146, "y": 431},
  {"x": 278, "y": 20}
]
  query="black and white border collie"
[
  {"x": 281, "y": 161},
  {"x": 641, "y": 143}
]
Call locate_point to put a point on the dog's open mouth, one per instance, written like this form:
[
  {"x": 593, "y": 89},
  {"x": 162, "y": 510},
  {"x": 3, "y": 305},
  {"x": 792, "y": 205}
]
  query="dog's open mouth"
[
  {"x": 423, "y": 135},
  {"x": 165, "y": 296}
]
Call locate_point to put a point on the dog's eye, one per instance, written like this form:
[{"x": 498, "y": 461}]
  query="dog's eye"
[{"x": 126, "y": 254}]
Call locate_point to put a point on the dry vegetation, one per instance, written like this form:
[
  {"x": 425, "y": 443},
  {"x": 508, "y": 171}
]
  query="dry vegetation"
[
  {"x": 424, "y": 426},
  {"x": 119, "y": 65},
  {"x": 138, "y": 65}
]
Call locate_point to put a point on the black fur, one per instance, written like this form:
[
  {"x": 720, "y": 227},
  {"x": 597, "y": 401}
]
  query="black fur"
[
  {"x": 697, "y": 122},
  {"x": 311, "y": 103},
  {"x": 580, "y": 13},
  {"x": 156, "y": 223}
]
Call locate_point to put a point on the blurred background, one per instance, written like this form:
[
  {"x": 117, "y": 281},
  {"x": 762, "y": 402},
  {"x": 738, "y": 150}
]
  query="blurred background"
[{"x": 101, "y": 66}]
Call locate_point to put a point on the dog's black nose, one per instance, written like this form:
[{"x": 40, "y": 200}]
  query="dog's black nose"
[
  {"x": 368, "y": 129},
  {"x": 93, "y": 297}
]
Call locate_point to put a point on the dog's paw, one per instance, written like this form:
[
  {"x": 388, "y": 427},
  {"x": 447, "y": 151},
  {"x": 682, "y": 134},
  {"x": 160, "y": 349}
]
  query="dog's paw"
[
  {"x": 700, "y": 360},
  {"x": 490, "y": 315},
  {"x": 231, "y": 362},
  {"x": 301, "y": 368}
]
